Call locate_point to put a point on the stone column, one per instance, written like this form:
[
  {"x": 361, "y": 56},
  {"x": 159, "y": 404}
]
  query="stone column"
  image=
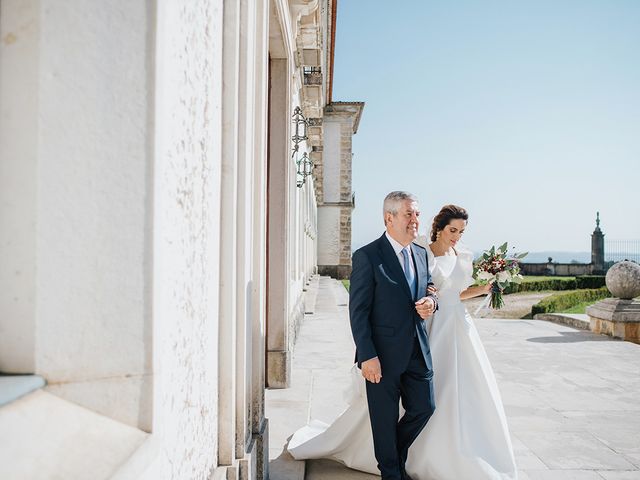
[
  {"x": 18, "y": 183},
  {"x": 227, "y": 381},
  {"x": 597, "y": 249},
  {"x": 258, "y": 287},
  {"x": 335, "y": 196},
  {"x": 278, "y": 185},
  {"x": 190, "y": 241}
]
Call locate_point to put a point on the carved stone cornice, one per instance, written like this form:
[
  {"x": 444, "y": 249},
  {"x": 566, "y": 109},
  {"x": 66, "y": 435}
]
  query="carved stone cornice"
[
  {"x": 346, "y": 109},
  {"x": 300, "y": 9}
]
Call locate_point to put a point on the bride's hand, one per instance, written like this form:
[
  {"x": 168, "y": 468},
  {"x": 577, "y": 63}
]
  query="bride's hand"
[{"x": 425, "y": 307}]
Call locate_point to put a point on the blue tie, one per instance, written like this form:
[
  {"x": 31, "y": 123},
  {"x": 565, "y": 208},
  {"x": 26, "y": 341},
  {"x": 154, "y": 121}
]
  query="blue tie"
[{"x": 408, "y": 273}]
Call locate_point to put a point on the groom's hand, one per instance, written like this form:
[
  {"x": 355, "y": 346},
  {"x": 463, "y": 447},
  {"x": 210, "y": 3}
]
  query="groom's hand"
[
  {"x": 425, "y": 307},
  {"x": 371, "y": 370}
]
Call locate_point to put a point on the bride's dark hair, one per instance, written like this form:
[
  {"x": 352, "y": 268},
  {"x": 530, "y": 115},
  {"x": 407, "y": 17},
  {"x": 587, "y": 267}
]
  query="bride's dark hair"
[{"x": 444, "y": 216}]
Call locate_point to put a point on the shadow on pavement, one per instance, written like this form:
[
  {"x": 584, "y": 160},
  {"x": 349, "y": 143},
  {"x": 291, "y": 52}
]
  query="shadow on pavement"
[
  {"x": 573, "y": 337},
  {"x": 285, "y": 467},
  {"x": 331, "y": 470}
]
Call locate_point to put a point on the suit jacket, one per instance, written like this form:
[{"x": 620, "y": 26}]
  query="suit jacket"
[{"x": 384, "y": 321}]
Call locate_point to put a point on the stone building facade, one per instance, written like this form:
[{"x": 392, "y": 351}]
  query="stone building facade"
[
  {"x": 154, "y": 241},
  {"x": 336, "y": 199}
]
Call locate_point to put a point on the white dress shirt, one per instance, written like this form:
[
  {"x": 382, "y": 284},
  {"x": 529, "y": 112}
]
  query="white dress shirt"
[{"x": 398, "y": 249}]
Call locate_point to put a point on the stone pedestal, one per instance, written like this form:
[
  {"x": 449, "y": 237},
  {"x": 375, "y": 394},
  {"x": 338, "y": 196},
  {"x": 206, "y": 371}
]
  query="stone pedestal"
[{"x": 617, "y": 318}]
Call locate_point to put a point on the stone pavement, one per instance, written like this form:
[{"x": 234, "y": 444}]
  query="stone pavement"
[{"x": 572, "y": 397}]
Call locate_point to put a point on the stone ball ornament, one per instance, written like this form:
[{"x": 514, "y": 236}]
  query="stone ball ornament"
[{"x": 623, "y": 280}]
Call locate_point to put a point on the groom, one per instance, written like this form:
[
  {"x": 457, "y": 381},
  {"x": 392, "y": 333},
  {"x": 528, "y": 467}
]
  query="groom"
[{"x": 388, "y": 299}]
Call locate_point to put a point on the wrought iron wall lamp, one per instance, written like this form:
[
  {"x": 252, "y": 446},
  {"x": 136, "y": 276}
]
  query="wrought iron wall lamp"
[{"x": 304, "y": 165}]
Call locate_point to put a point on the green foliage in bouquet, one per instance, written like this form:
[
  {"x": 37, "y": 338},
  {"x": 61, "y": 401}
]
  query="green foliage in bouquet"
[{"x": 495, "y": 267}]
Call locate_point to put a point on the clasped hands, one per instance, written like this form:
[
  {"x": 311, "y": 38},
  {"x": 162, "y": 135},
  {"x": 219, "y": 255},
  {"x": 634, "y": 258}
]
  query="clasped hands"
[{"x": 426, "y": 305}]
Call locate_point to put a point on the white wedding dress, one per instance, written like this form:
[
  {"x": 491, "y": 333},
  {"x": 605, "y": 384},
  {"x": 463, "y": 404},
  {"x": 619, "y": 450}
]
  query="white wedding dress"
[{"x": 467, "y": 437}]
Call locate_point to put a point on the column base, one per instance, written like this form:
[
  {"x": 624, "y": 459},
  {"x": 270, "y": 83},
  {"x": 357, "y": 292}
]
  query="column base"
[
  {"x": 261, "y": 449},
  {"x": 254, "y": 465},
  {"x": 278, "y": 369}
]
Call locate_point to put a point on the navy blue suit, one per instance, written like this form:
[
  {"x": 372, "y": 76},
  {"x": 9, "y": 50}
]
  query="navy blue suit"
[{"x": 384, "y": 323}]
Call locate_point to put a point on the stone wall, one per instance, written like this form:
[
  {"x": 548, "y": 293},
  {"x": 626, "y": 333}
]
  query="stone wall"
[
  {"x": 345, "y": 235},
  {"x": 135, "y": 147},
  {"x": 83, "y": 212},
  {"x": 141, "y": 219},
  {"x": 557, "y": 269},
  {"x": 318, "y": 173},
  {"x": 340, "y": 272}
]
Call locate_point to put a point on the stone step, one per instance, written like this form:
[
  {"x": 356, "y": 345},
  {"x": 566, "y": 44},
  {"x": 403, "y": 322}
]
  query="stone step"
[
  {"x": 13, "y": 387},
  {"x": 575, "y": 320},
  {"x": 311, "y": 295}
]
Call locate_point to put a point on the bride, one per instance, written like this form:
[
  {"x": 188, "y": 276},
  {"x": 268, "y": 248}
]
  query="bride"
[{"x": 467, "y": 437}]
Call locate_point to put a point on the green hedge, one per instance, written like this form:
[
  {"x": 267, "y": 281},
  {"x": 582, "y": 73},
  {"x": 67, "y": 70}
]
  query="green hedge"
[
  {"x": 590, "y": 281},
  {"x": 566, "y": 300},
  {"x": 558, "y": 284},
  {"x": 539, "y": 285}
]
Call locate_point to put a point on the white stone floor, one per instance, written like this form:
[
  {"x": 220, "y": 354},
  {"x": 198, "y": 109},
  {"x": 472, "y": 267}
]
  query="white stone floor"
[{"x": 572, "y": 398}]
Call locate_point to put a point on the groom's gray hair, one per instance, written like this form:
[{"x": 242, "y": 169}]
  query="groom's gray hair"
[{"x": 393, "y": 200}]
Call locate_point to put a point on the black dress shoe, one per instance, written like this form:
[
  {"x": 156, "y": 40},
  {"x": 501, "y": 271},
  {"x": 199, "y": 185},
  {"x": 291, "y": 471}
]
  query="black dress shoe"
[
  {"x": 394, "y": 477},
  {"x": 405, "y": 475}
]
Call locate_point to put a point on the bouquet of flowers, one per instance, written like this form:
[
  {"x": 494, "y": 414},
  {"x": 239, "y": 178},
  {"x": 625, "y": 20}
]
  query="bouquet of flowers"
[{"x": 498, "y": 269}]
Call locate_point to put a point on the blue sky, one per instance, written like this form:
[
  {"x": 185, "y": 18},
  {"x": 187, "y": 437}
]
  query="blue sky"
[{"x": 525, "y": 113}]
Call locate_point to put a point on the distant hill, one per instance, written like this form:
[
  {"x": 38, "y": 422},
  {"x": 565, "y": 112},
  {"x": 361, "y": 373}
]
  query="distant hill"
[
  {"x": 559, "y": 257},
  {"x": 569, "y": 257}
]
